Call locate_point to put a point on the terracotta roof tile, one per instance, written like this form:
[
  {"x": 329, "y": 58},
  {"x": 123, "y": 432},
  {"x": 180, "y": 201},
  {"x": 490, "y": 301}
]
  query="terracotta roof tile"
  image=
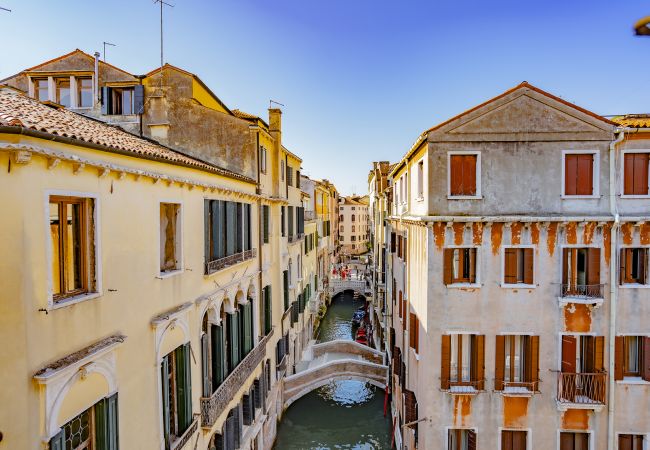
[
  {"x": 243, "y": 115},
  {"x": 633, "y": 120},
  {"x": 19, "y": 110}
]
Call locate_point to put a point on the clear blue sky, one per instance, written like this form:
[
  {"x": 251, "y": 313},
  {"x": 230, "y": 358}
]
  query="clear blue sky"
[{"x": 360, "y": 79}]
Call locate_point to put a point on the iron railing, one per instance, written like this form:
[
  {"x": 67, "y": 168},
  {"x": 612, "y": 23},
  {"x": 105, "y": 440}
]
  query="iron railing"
[
  {"x": 582, "y": 388},
  {"x": 532, "y": 386},
  {"x": 222, "y": 263},
  {"x": 296, "y": 237},
  {"x": 310, "y": 215},
  {"x": 585, "y": 291}
]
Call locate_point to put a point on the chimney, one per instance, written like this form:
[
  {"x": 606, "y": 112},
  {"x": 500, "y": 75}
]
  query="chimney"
[
  {"x": 96, "y": 80},
  {"x": 275, "y": 119}
]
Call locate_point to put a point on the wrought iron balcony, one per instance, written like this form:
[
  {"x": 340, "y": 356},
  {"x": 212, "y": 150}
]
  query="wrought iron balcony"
[
  {"x": 586, "y": 291},
  {"x": 583, "y": 389},
  {"x": 226, "y": 261},
  {"x": 179, "y": 443},
  {"x": 213, "y": 406}
]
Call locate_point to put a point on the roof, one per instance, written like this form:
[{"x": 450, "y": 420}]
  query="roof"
[
  {"x": 522, "y": 85},
  {"x": 361, "y": 200},
  {"x": 633, "y": 120},
  {"x": 20, "y": 111}
]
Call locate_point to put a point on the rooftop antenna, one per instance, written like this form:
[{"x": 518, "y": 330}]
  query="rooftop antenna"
[
  {"x": 5, "y": 9},
  {"x": 105, "y": 44},
  {"x": 273, "y": 102},
  {"x": 162, "y": 3}
]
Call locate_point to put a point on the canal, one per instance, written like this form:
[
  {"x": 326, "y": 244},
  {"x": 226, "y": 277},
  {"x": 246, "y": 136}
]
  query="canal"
[{"x": 343, "y": 414}]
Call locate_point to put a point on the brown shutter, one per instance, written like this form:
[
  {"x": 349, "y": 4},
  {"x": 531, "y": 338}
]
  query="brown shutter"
[
  {"x": 410, "y": 406},
  {"x": 445, "y": 361},
  {"x": 622, "y": 275},
  {"x": 456, "y": 175},
  {"x": 639, "y": 173},
  {"x": 510, "y": 266},
  {"x": 568, "y": 354},
  {"x": 472, "y": 265},
  {"x": 405, "y": 250},
  {"x": 643, "y": 257},
  {"x": 599, "y": 354},
  {"x": 471, "y": 440},
  {"x": 585, "y": 175},
  {"x": 397, "y": 361},
  {"x": 412, "y": 330},
  {"x": 499, "y": 362},
  {"x": 619, "y": 357},
  {"x": 593, "y": 266},
  {"x": 529, "y": 256},
  {"x": 567, "y": 441},
  {"x": 448, "y": 261},
  {"x": 479, "y": 361},
  {"x": 570, "y": 174},
  {"x": 506, "y": 440},
  {"x": 625, "y": 440},
  {"x": 469, "y": 175},
  {"x": 645, "y": 366},
  {"x": 534, "y": 361},
  {"x": 628, "y": 174},
  {"x": 566, "y": 253}
]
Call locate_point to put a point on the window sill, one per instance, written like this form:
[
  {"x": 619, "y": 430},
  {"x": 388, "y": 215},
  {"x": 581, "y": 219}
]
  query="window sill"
[
  {"x": 518, "y": 286},
  {"x": 463, "y": 285},
  {"x": 579, "y": 197},
  {"x": 564, "y": 301},
  {"x": 463, "y": 390},
  {"x": 523, "y": 392},
  {"x": 633, "y": 381},
  {"x": 464, "y": 197},
  {"x": 637, "y": 196},
  {"x": 634, "y": 286},
  {"x": 169, "y": 274},
  {"x": 74, "y": 300}
]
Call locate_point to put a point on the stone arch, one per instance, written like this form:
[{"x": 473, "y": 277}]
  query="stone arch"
[
  {"x": 176, "y": 333},
  {"x": 323, "y": 382}
]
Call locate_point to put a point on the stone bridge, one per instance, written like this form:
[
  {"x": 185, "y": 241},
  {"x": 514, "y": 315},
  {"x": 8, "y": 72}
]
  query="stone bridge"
[
  {"x": 333, "y": 361},
  {"x": 338, "y": 285}
]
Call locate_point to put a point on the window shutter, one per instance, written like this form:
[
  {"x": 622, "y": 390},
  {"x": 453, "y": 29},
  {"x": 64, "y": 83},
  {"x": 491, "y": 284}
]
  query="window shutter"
[
  {"x": 206, "y": 230},
  {"x": 625, "y": 441},
  {"x": 622, "y": 269},
  {"x": 234, "y": 340},
  {"x": 479, "y": 361},
  {"x": 593, "y": 266},
  {"x": 393, "y": 240},
  {"x": 643, "y": 262},
  {"x": 239, "y": 418},
  {"x": 628, "y": 174},
  {"x": 397, "y": 361},
  {"x": 106, "y": 100},
  {"x": 138, "y": 99},
  {"x": 570, "y": 174},
  {"x": 265, "y": 212},
  {"x": 230, "y": 431},
  {"x": 405, "y": 249},
  {"x": 101, "y": 431},
  {"x": 218, "y": 441},
  {"x": 412, "y": 330},
  {"x": 529, "y": 256},
  {"x": 534, "y": 361},
  {"x": 585, "y": 174},
  {"x": 410, "y": 407},
  {"x": 456, "y": 175},
  {"x": 568, "y": 354},
  {"x": 205, "y": 365},
  {"x": 469, "y": 175},
  {"x": 448, "y": 261},
  {"x": 619, "y": 357},
  {"x": 112, "y": 422},
  {"x": 218, "y": 357},
  {"x": 645, "y": 366},
  {"x": 641, "y": 173},
  {"x": 471, "y": 440},
  {"x": 58, "y": 441},
  {"x": 510, "y": 266},
  {"x": 230, "y": 228},
  {"x": 164, "y": 369},
  {"x": 566, "y": 258},
  {"x": 599, "y": 354},
  {"x": 258, "y": 393},
  {"x": 499, "y": 362},
  {"x": 247, "y": 411},
  {"x": 445, "y": 361}
]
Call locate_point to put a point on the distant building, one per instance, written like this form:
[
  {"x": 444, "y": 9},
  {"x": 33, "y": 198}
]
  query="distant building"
[{"x": 353, "y": 225}]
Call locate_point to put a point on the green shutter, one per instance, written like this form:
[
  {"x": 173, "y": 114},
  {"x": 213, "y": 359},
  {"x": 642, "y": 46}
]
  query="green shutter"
[
  {"x": 101, "y": 431},
  {"x": 268, "y": 310},
  {"x": 285, "y": 280},
  {"x": 217, "y": 356},
  {"x": 58, "y": 441},
  {"x": 234, "y": 340},
  {"x": 164, "y": 369},
  {"x": 112, "y": 423},
  {"x": 248, "y": 328},
  {"x": 206, "y": 230},
  {"x": 231, "y": 227},
  {"x": 205, "y": 364},
  {"x": 183, "y": 387}
]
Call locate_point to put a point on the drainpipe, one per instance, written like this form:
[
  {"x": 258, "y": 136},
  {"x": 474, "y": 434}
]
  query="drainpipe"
[
  {"x": 96, "y": 80},
  {"x": 613, "y": 286}
]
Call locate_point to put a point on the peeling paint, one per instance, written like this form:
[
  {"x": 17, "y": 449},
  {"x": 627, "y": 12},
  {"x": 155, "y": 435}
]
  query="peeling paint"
[
  {"x": 459, "y": 230},
  {"x": 626, "y": 231},
  {"x": 496, "y": 236},
  {"x": 534, "y": 233},
  {"x": 515, "y": 412},
  {"x": 462, "y": 409},
  {"x": 575, "y": 419},
  {"x": 607, "y": 241},
  {"x": 439, "y": 234},
  {"x": 477, "y": 233},
  {"x": 551, "y": 235},
  {"x": 515, "y": 233},
  {"x": 577, "y": 318},
  {"x": 588, "y": 232},
  {"x": 571, "y": 233}
]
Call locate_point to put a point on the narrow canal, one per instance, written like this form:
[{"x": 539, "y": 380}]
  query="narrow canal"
[{"x": 342, "y": 415}]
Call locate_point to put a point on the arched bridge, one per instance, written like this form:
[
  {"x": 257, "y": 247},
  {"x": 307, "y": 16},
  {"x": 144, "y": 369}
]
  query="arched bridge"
[
  {"x": 338, "y": 285},
  {"x": 333, "y": 361}
]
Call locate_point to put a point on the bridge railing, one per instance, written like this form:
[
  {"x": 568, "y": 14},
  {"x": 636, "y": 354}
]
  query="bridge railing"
[{"x": 349, "y": 347}]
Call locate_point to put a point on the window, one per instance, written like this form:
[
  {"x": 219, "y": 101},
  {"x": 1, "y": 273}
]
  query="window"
[
  {"x": 213, "y": 355},
  {"x": 581, "y": 272},
  {"x": 462, "y": 361},
  {"x": 630, "y": 442},
  {"x": 176, "y": 393},
  {"x": 123, "y": 100},
  {"x": 632, "y": 357},
  {"x": 634, "y": 266},
  {"x": 516, "y": 363},
  {"x": 518, "y": 265},
  {"x": 421, "y": 179},
  {"x": 458, "y": 439},
  {"x": 353, "y": 218},
  {"x": 95, "y": 428},
  {"x": 265, "y": 218},
  {"x": 170, "y": 237},
  {"x": 298, "y": 179},
  {"x": 354, "y": 246},
  {"x": 291, "y": 221},
  {"x": 289, "y": 175},
  {"x": 414, "y": 332},
  {"x": 41, "y": 89},
  {"x": 579, "y": 174},
  {"x": 635, "y": 175},
  {"x": 513, "y": 440},
  {"x": 459, "y": 265},
  {"x": 263, "y": 154},
  {"x": 353, "y": 238},
  {"x": 341, "y": 218},
  {"x": 574, "y": 441},
  {"x": 463, "y": 175},
  {"x": 283, "y": 219},
  {"x": 73, "y": 246},
  {"x": 62, "y": 86},
  {"x": 227, "y": 233},
  {"x": 282, "y": 170},
  {"x": 353, "y": 228},
  {"x": 582, "y": 378},
  {"x": 84, "y": 92},
  {"x": 285, "y": 285}
]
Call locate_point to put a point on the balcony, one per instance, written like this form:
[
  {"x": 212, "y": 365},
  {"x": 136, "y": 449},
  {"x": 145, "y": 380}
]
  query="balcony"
[
  {"x": 179, "y": 443},
  {"x": 519, "y": 388},
  {"x": 296, "y": 237},
  {"x": 581, "y": 390},
  {"x": 213, "y": 406},
  {"x": 226, "y": 261},
  {"x": 590, "y": 294}
]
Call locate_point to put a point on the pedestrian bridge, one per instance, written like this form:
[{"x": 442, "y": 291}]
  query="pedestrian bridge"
[
  {"x": 338, "y": 285},
  {"x": 335, "y": 361}
]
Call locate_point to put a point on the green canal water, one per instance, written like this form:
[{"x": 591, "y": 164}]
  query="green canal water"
[{"x": 343, "y": 414}]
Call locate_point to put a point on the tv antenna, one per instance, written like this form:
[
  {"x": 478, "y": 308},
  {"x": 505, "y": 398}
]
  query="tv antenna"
[
  {"x": 105, "y": 44},
  {"x": 273, "y": 102},
  {"x": 5, "y": 9},
  {"x": 162, "y": 4}
]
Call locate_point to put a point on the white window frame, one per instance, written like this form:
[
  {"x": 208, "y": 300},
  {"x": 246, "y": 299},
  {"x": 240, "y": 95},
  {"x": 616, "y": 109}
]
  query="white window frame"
[
  {"x": 622, "y": 175},
  {"x": 420, "y": 181},
  {"x": 179, "y": 244},
  {"x": 529, "y": 436},
  {"x": 589, "y": 432},
  {"x": 503, "y": 267},
  {"x": 564, "y": 301},
  {"x": 477, "y": 269},
  {"x": 451, "y": 427},
  {"x": 51, "y": 304},
  {"x": 647, "y": 268},
  {"x": 595, "y": 174},
  {"x": 634, "y": 380},
  {"x": 646, "y": 438},
  {"x": 479, "y": 192}
]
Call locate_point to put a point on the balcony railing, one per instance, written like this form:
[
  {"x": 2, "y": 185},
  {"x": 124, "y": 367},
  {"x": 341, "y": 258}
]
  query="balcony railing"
[
  {"x": 582, "y": 388},
  {"x": 582, "y": 291},
  {"x": 520, "y": 387},
  {"x": 310, "y": 215},
  {"x": 296, "y": 237},
  {"x": 281, "y": 368},
  {"x": 213, "y": 406},
  {"x": 179, "y": 443},
  {"x": 222, "y": 263}
]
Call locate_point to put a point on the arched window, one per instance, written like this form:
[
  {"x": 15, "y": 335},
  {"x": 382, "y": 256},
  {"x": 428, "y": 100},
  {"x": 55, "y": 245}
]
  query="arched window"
[
  {"x": 246, "y": 327},
  {"x": 212, "y": 355},
  {"x": 353, "y": 218}
]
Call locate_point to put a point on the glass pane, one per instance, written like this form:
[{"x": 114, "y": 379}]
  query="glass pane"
[
  {"x": 85, "y": 92},
  {"x": 63, "y": 91},
  {"x": 632, "y": 354},
  {"x": 127, "y": 101},
  {"x": 453, "y": 375},
  {"x": 466, "y": 357},
  {"x": 55, "y": 232},
  {"x": 456, "y": 264},
  {"x": 74, "y": 247},
  {"x": 41, "y": 88},
  {"x": 77, "y": 431}
]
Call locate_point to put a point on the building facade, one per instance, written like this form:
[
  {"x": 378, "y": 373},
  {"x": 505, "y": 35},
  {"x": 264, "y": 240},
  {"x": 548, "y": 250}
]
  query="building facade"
[
  {"x": 517, "y": 273},
  {"x": 353, "y": 225}
]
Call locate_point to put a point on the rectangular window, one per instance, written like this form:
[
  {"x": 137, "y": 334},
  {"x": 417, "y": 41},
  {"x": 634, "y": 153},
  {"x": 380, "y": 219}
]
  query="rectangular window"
[
  {"x": 298, "y": 179},
  {"x": 463, "y": 362},
  {"x": 513, "y": 440},
  {"x": 123, "y": 100},
  {"x": 228, "y": 228},
  {"x": 463, "y": 175},
  {"x": 421, "y": 179},
  {"x": 72, "y": 233},
  {"x": 516, "y": 363},
  {"x": 262, "y": 159},
  {"x": 581, "y": 272},
  {"x": 285, "y": 285},
  {"x": 459, "y": 265},
  {"x": 63, "y": 91},
  {"x": 170, "y": 237},
  {"x": 414, "y": 332},
  {"x": 266, "y": 221},
  {"x": 458, "y": 439},
  {"x": 583, "y": 378},
  {"x": 176, "y": 393},
  {"x": 631, "y": 442},
  {"x": 574, "y": 441},
  {"x": 635, "y": 175},
  {"x": 579, "y": 174},
  {"x": 41, "y": 89},
  {"x": 632, "y": 357},
  {"x": 634, "y": 266},
  {"x": 84, "y": 92},
  {"x": 281, "y": 170},
  {"x": 518, "y": 265},
  {"x": 289, "y": 175}
]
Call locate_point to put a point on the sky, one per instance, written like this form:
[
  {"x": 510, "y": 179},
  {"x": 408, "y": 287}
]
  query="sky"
[{"x": 359, "y": 79}]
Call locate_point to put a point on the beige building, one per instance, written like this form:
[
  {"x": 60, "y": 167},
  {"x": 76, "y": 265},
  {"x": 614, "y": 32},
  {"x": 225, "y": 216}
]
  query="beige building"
[
  {"x": 517, "y": 273},
  {"x": 354, "y": 231}
]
